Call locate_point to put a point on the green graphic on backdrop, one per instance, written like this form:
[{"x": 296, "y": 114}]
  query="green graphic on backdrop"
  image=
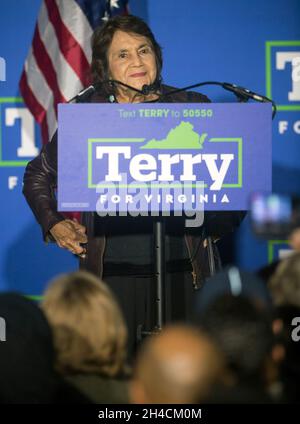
[
  {"x": 270, "y": 47},
  {"x": 9, "y": 163}
]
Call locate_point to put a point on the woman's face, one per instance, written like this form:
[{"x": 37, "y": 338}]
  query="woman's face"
[{"x": 131, "y": 59}]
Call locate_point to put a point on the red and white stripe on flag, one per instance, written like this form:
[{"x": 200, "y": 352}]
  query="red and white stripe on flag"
[{"x": 58, "y": 64}]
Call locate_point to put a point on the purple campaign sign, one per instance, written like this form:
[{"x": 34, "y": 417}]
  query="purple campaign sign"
[{"x": 162, "y": 156}]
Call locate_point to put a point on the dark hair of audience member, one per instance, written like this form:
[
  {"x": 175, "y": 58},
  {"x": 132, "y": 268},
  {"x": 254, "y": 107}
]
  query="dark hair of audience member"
[{"x": 244, "y": 335}]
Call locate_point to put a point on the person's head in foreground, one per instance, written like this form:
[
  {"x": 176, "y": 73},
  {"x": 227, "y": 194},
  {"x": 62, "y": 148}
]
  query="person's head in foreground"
[
  {"x": 284, "y": 285},
  {"x": 26, "y": 352},
  {"x": 234, "y": 282},
  {"x": 243, "y": 332},
  {"x": 124, "y": 49},
  {"x": 285, "y": 282},
  {"x": 179, "y": 365},
  {"x": 89, "y": 332},
  {"x": 295, "y": 239}
]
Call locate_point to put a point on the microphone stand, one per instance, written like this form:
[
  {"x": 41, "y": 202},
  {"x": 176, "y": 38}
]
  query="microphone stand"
[
  {"x": 241, "y": 93},
  {"x": 159, "y": 244}
]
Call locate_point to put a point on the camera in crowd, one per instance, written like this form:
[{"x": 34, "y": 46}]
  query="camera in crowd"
[{"x": 274, "y": 215}]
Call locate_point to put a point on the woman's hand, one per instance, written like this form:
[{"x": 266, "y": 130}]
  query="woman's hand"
[{"x": 69, "y": 234}]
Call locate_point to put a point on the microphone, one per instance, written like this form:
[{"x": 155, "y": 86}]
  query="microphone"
[
  {"x": 88, "y": 91},
  {"x": 145, "y": 90},
  {"x": 149, "y": 88},
  {"x": 85, "y": 93},
  {"x": 243, "y": 93}
]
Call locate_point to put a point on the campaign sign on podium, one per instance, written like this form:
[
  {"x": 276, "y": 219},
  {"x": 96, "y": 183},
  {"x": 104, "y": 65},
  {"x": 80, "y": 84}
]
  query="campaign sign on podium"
[{"x": 162, "y": 156}]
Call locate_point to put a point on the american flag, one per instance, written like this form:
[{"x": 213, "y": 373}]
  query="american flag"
[{"x": 58, "y": 63}]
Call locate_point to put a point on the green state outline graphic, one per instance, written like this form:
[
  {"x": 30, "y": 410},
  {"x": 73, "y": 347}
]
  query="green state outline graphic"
[
  {"x": 90, "y": 141},
  {"x": 269, "y": 45},
  {"x": 9, "y": 163}
]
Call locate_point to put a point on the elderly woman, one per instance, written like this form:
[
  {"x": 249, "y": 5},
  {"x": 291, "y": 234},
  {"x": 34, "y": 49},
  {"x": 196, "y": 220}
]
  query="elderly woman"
[{"x": 125, "y": 50}]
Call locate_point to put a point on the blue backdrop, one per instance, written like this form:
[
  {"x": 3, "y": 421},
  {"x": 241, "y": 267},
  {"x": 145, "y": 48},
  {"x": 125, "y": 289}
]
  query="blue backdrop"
[{"x": 254, "y": 44}]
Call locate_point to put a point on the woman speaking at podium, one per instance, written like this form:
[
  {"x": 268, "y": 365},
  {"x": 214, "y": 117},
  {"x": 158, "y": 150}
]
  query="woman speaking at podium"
[{"x": 124, "y": 51}]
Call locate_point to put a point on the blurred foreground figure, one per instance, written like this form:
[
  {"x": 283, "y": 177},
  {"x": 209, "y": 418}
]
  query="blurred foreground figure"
[
  {"x": 89, "y": 335},
  {"x": 242, "y": 330},
  {"x": 286, "y": 327},
  {"x": 180, "y": 365},
  {"x": 285, "y": 290},
  {"x": 295, "y": 239},
  {"x": 26, "y": 355},
  {"x": 285, "y": 282}
]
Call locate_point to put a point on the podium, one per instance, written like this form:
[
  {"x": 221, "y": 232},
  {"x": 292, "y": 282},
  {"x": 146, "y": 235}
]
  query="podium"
[{"x": 150, "y": 161}]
